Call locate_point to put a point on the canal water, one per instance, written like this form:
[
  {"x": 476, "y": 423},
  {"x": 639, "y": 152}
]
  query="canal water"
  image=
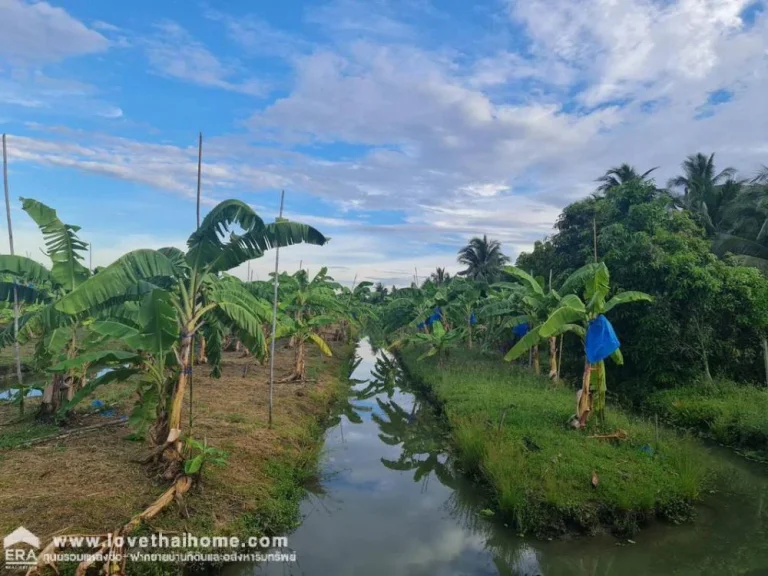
[{"x": 392, "y": 504}]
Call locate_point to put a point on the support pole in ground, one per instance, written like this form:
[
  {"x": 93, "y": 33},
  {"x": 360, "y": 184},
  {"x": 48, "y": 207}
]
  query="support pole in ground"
[
  {"x": 16, "y": 350},
  {"x": 274, "y": 316},
  {"x": 90, "y": 256},
  {"x": 199, "y": 185},
  {"x": 765, "y": 357},
  {"x": 199, "y": 172},
  {"x": 594, "y": 236}
]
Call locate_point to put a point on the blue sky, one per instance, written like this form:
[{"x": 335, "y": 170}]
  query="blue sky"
[{"x": 399, "y": 128}]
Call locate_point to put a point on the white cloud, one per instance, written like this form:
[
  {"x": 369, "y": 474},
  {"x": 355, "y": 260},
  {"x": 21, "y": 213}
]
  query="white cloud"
[
  {"x": 38, "y": 33},
  {"x": 172, "y": 52},
  {"x": 620, "y": 46},
  {"x": 462, "y": 143}
]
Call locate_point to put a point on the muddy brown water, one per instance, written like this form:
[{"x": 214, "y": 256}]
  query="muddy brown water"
[{"x": 390, "y": 503}]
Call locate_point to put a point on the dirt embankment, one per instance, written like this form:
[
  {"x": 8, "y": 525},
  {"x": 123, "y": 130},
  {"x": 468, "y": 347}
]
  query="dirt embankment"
[{"x": 91, "y": 482}]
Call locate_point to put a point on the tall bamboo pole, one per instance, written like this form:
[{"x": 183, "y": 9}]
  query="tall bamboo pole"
[
  {"x": 17, "y": 352},
  {"x": 199, "y": 171},
  {"x": 274, "y": 316},
  {"x": 199, "y": 185}
]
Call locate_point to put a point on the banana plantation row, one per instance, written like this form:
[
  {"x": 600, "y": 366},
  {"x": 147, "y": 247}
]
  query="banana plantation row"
[{"x": 629, "y": 278}]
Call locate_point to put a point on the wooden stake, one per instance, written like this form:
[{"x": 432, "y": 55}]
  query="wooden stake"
[
  {"x": 594, "y": 236},
  {"x": 765, "y": 357},
  {"x": 17, "y": 352},
  {"x": 274, "y": 317}
]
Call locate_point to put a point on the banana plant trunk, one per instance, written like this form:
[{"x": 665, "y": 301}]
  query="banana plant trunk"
[
  {"x": 51, "y": 396},
  {"x": 301, "y": 368},
  {"x": 584, "y": 398},
  {"x": 553, "y": 358},
  {"x": 73, "y": 382},
  {"x": 536, "y": 361},
  {"x": 203, "y": 358},
  {"x": 177, "y": 400},
  {"x": 469, "y": 333}
]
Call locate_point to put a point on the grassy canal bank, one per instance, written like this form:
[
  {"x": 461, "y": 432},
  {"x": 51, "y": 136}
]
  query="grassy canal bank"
[
  {"x": 731, "y": 414},
  {"x": 91, "y": 483},
  {"x": 510, "y": 430}
]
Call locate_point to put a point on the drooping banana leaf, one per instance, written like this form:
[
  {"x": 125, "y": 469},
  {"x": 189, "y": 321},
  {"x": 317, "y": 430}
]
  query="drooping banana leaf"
[
  {"x": 24, "y": 268},
  {"x": 116, "y": 375},
  {"x": 96, "y": 358},
  {"x": 63, "y": 246},
  {"x": 123, "y": 275}
]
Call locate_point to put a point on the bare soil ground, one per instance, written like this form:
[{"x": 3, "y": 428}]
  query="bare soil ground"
[{"x": 91, "y": 483}]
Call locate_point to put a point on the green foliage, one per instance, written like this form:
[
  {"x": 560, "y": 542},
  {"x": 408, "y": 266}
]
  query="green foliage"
[
  {"x": 702, "y": 308},
  {"x": 483, "y": 259},
  {"x": 198, "y": 454},
  {"x": 511, "y": 431},
  {"x": 730, "y": 413},
  {"x": 438, "y": 342}
]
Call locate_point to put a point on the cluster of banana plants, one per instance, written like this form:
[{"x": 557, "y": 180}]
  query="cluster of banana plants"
[
  {"x": 440, "y": 316},
  {"x": 139, "y": 316},
  {"x": 312, "y": 311}
]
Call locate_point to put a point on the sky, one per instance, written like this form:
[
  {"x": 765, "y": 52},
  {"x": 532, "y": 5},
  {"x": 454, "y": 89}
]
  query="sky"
[{"x": 399, "y": 128}]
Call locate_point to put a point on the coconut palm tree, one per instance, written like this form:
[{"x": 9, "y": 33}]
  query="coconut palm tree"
[
  {"x": 743, "y": 229},
  {"x": 699, "y": 179},
  {"x": 379, "y": 293},
  {"x": 195, "y": 288},
  {"x": 483, "y": 259},
  {"x": 762, "y": 175},
  {"x": 618, "y": 175},
  {"x": 440, "y": 277}
]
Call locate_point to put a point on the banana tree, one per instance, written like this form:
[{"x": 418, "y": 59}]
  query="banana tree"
[
  {"x": 47, "y": 287},
  {"x": 576, "y": 315},
  {"x": 532, "y": 304},
  {"x": 463, "y": 304},
  {"x": 302, "y": 330},
  {"x": 193, "y": 286},
  {"x": 307, "y": 305},
  {"x": 355, "y": 308},
  {"x": 439, "y": 341},
  {"x": 149, "y": 334}
]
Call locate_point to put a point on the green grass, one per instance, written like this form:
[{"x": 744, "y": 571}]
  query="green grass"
[
  {"x": 26, "y": 431},
  {"x": 732, "y": 414},
  {"x": 539, "y": 471}
]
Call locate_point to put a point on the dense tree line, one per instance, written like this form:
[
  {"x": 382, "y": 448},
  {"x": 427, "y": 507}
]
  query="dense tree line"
[{"x": 709, "y": 316}]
